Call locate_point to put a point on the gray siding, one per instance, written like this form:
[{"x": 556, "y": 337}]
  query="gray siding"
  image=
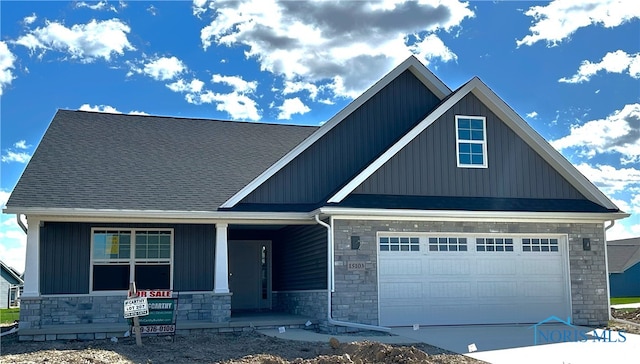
[
  {"x": 349, "y": 146},
  {"x": 427, "y": 165},
  {"x": 300, "y": 259},
  {"x": 65, "y": 250}
]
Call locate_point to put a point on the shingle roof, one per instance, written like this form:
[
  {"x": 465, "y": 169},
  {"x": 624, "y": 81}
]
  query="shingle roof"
[
  {"x": 623, "y": 254},
  {"x": 112, "y": 161}
]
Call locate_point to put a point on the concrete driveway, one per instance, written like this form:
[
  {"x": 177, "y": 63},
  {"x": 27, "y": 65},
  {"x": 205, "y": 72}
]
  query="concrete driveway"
[{"x": 523, "y": 344}]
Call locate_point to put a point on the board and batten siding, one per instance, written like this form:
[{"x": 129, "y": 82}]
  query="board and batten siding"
[
  {"x": 65, "y": 256},
  {"x": 350, "y": 145},
  {"x": 427, "y": 165},
  {"x": 300, "y": 258}
]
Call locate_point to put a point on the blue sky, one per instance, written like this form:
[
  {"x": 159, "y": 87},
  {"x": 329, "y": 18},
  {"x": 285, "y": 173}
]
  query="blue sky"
[{"x": 571, "y": 69}]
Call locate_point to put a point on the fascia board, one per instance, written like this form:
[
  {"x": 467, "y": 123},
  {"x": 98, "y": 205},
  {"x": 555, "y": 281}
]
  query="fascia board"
[
  {"x": 157, "y": 215},
  {"x": 478, "y": 216},
  {"x": 512, "y": 119},
  {"x": 11, "y": 272},
  {"x": 418, "y": 69}
]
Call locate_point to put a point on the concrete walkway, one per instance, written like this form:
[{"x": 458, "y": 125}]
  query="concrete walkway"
[{"x": 626, "y": 305}]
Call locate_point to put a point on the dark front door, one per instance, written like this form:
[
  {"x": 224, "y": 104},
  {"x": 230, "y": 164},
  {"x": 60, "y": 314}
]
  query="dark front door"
[{"x": 250, "y": 275}]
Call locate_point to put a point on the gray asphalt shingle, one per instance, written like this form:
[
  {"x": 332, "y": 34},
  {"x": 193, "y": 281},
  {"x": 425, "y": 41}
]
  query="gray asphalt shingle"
[
  {"x": 113, "y": 161},
  {"x": 623, "y": 254}
]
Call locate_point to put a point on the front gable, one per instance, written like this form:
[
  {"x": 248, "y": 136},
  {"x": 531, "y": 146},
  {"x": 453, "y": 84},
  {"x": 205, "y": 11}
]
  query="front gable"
[
  {"x": 523, "y": 172},
  {"x": 318, "y": 171}
]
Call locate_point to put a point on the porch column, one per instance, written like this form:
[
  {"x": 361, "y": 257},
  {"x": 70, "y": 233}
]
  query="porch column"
[
  {"x": 221, "y": 278},
  {"x": 32, "y": 264}
]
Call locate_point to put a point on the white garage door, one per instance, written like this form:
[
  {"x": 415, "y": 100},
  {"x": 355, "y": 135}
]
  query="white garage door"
[{"x": 449, "y": 280}]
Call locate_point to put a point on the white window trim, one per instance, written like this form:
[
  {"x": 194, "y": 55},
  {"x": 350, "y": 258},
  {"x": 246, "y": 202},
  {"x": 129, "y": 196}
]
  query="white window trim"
[
  {"x": 132, "y": 260},
  {"x": 483, "y": 143}
]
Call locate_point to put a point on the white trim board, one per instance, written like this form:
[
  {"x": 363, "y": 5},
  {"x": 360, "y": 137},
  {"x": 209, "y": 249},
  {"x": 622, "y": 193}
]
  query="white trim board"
[
  {"x": 511, "y": 119},
  {"x": 412, "y": 64}
]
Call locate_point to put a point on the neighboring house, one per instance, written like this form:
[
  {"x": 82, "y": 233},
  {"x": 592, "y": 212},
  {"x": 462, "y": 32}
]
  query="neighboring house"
[
  {"x": 415, "y": 204},
  {"x": 10, "y": 286},
  {"x": 624, "y": 267}
]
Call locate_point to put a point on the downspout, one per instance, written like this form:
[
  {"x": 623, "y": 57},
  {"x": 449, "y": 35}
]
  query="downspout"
[
  {"x": 20, "y": 223},
  {"x": 329, "y": 277},
  {"x": 606, "y": 266}
]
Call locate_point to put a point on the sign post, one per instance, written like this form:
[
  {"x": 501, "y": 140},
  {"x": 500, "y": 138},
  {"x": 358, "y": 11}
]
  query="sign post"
[{"x": 135, "y": 306}]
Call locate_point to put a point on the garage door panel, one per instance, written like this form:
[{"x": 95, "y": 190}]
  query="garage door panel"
[
  {"x": 496, "y": 267},
  {"x": 449, "y": 266},
  {"x": 497, "y": 289},
  {"x": 401, "y": 290},
  {"x": 476, "y": 286},
  {"x": 401, "y": 267},
  {"x": 449, "y": 289}
]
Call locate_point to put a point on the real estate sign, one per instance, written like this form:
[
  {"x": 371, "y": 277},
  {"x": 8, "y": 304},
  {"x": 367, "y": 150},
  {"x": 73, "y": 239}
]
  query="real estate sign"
[{"x": 161, "y": 317}]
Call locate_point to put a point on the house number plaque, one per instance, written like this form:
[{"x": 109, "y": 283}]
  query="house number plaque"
[{"x": 356, "y": 265}]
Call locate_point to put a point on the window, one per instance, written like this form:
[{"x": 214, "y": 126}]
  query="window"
[
  {"x": 471, "y": 141},
  {"x": 539, "y": 245},
  {"x": 448, "y": 244},
  {"x": 494, "y": 245},
  {"x": 120, "y": 256},
  {"x": 399, "y": 244}
]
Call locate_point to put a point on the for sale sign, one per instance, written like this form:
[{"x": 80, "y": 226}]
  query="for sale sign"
[{"x": 134, "y": 307}]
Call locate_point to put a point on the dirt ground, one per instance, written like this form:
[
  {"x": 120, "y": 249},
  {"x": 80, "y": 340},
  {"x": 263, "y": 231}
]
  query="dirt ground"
[
  {"x": 228, "y": 348},
  {"x": 627, "y": 315}
]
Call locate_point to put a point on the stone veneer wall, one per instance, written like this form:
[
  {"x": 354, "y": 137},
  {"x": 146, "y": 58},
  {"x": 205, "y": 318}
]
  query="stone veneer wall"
[
  {"x": 312, "y": 304},
  {"x": 49, "y": 311},
  {"x": 356, "y": 292}
]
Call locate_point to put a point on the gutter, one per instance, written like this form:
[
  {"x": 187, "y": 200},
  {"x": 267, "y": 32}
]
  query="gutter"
[
  {"x": 329, "y": 288},
  {"x": 606, "y": 267},
  {"x": 20, "y": 223}
]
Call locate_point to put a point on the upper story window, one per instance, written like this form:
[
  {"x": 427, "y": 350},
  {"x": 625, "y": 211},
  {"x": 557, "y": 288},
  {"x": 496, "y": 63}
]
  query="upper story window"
[{"x": 471, "y": 141}]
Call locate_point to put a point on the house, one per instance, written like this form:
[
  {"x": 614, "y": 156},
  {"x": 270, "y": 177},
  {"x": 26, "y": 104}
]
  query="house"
[
  {"x": 415, "y": 204},
  {"x": 624, "y": 267},
  {"x": 10, "y": 286}
]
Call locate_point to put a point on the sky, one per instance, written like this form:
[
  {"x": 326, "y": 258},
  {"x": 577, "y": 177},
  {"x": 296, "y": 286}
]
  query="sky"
[{"x": 570, "y": 68}]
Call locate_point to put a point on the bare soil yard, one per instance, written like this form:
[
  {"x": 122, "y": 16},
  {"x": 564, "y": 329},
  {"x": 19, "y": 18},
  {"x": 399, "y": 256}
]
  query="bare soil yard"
[
  {"x": 228, "y": 348},
  {"x": 631, "y": 315}
]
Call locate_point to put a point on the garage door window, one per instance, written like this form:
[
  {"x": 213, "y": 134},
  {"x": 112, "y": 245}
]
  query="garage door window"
[
  {"x": 399, "y": 244},
  {"x": 539, "y": 245},
  {"x": 448, "y": 244},
  {"x": 494, "y": 245}
]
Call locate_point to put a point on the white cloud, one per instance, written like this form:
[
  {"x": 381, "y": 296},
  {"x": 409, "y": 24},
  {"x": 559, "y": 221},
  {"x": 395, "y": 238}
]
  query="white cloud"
[
  {"x": 152, "y": 10},
  {"x": 295, "y": 87},
  {"x": 432, "y": 47},
  {"x": 239, "y": 106},
  {"x": 101, "y": 5},
  {"x": 13, "y": 240},
  {"x": 86, "y": 42},
  {"x": 613, "y": 62},
  {"x": 99, "y": 108},
  {"x": 532, "y": 115},
  {"x": 618, "y": 132},
  {"x": 325, "y": 43},
  {"x": 290, "y": 107},
  {"x": 195, "y": 86},
  {"x": 236, "y": 82},
  {"x": 13, "y": 156},
  {"x": 28, "y": 20},
  {"x": 7, "y": 60},
  {"x": 559, "y": 19},
  {"x": 21, "y": 144},
  {"x": 164, "y": 68},
  {"x": 108, "y": 109},
  {"x": 610, "y": 179}
]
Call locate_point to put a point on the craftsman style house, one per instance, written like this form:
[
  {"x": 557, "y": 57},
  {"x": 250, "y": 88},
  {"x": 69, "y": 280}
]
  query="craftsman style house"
[{"x": 415, "y": 204}]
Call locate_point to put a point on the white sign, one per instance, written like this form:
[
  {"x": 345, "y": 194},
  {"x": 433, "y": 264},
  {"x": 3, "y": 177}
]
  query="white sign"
[
  {"x": 157, "y": 329},
  {"x": 134, "y": 307}
]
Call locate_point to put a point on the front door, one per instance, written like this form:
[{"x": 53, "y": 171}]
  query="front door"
[{"x": 250, "y": 275}]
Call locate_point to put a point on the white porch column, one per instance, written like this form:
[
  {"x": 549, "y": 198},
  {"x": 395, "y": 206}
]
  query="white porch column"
[
  {"x": 32, "y": 264},
  {"x": 221, "y": 278}
]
